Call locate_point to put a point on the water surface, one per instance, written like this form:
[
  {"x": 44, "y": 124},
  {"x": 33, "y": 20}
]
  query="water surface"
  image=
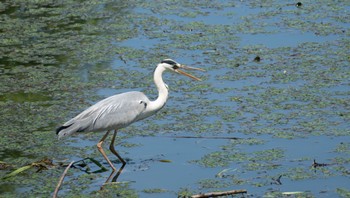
[{"x": 277, "y": 82}]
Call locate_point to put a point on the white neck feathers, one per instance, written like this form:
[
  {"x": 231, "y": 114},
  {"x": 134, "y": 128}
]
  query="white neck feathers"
[{"x": 162, "y": 90}]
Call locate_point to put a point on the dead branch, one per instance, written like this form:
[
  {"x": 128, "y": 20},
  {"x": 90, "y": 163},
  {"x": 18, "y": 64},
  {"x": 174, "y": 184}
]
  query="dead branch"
[
  {"x": 61, "y": 180},
  {"x": 315, "y": 164},
  {"x": 218, "y": 194}
]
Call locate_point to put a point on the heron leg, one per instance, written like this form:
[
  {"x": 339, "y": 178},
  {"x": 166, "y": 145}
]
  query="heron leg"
[
  {"x": 111, "y": 147},
  {"x": 99, "y": 147}
]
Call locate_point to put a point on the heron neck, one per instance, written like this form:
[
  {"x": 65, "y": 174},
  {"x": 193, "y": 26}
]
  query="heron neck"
[{"x": 162, "y": 90}]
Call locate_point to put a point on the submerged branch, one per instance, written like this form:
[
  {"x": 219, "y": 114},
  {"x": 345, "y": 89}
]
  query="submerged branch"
[
  {"x": 315, "y": 164},
  {"x": 61, "y": 180}
]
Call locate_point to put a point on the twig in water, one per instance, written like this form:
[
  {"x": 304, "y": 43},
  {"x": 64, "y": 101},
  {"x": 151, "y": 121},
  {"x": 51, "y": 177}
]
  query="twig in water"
[
  {"x": 277, "y": 181},
  {"x": 217, "y": 194},
  {"x": 61, "y": 180},
  {"x": 315, "y": 164}
]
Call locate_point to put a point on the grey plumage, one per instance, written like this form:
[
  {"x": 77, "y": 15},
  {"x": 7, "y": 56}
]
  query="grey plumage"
[{"x": 115, "y": 112}]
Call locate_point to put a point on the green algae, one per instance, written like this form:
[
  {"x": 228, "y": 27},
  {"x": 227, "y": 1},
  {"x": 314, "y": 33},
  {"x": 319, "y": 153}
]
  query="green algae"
[
  {"x": 343, "y": 147},
  {"x": 154, "y": 190},
  {"x": 41, "y": 77},
  {"x": 185, "y": 192},
  {"x": 212, "y": 183},
  {"x": 55, "y": 54},
  {"x": 117, "y": 190},
  {"x": 257, "y": 160},
  {"x": 343, "y": 192}
]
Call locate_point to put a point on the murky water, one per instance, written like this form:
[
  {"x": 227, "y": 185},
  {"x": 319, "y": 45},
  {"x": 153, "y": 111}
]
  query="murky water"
[{"x": 277, "y": 80}]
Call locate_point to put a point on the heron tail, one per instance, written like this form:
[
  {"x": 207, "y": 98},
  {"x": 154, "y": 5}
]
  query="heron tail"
[
  {"x": 59, "y": 129},
  {"x": 68, "y": 129}
]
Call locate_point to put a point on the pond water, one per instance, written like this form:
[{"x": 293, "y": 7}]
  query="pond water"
[{"x": 271, "y": 115}]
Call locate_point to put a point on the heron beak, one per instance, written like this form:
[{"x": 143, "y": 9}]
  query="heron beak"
[{"x": 187, "y": 74}]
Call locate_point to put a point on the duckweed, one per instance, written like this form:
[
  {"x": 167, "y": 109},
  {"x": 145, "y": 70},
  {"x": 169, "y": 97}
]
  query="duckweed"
[{"x": 56, "y": 58}]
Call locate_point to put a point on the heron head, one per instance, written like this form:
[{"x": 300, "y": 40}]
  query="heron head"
[{"x": 176, "y": 67}]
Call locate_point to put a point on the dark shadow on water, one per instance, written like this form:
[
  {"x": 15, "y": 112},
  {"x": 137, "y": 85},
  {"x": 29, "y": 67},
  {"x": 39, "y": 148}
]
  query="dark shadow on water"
[{"x": 83, "y": 166}]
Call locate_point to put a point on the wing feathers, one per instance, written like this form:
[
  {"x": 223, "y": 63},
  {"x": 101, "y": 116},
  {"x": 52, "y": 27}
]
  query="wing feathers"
[{"x": 114, "y": 112}]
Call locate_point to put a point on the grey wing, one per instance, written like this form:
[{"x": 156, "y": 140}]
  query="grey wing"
[
  {"x": 119, "y": 112},
  {"x": 114, "y": 112}
]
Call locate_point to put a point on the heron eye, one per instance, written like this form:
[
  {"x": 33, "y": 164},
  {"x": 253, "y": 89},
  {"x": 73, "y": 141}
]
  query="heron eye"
[{"x": 175, "y": 67}]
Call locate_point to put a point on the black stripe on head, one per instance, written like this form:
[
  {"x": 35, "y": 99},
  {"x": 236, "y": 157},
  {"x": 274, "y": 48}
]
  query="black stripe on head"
[{"x": 169, "y": 61}]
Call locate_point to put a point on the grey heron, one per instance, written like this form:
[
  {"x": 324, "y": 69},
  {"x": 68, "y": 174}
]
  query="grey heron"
[{"x": 121, "y": 110}]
